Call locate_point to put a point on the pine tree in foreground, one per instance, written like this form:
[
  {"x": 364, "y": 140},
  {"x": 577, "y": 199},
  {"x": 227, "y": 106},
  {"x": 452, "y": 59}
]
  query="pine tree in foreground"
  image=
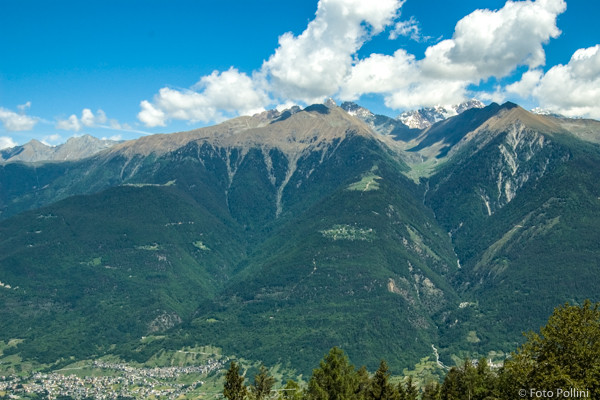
[
  {"x": 234, "y": 388},
  {"x": 263, "y": 383},
  {"x": 412, "y": 392},
  {"x": 364, "y": 382},
  {"x": 431, "y": 391},
  {"x": 380, "y": 388},
  {"x": 291, "y": 391},
  {"x": 565, "y": 356},
  {"x": 335, "y": 379}
]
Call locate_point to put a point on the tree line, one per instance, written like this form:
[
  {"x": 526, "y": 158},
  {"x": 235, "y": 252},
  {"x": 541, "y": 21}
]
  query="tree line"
[{"x": 561, "y": 361}]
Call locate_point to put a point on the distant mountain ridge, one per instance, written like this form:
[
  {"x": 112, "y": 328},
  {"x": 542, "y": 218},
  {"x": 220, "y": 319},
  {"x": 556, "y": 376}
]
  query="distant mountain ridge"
[
  {"x": 75, "y": 148},
  {"x": 407, "y": 125},
  {"x": 425, "y": 117}
]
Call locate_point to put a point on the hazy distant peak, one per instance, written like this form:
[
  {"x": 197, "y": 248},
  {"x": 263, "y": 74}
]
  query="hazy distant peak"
[
  {"x": 329, "y": 102},
  {"x": 425, "y": 117},
  {"x": 545, "y": 111},
  {"x": 75, "y": 148},
  {"x": 356, "y": 110},
  {"x": 467, "y": 105}
]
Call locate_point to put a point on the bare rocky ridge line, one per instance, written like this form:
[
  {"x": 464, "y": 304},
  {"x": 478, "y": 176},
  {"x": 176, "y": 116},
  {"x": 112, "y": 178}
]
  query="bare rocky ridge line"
[
  {"x": 426, "y": 117},
  {"x": 291, "y": 135},
  {"x": 76, "y": 148}
]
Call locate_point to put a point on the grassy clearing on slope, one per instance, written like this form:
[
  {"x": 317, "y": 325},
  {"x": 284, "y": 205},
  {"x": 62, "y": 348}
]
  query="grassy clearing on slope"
[
  {"x": 201, "y": 246},
  {"x": 347, "y": 232},
  {"x": 367, "y": 183}
]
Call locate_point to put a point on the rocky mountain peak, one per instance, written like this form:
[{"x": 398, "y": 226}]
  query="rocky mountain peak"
[
  {"x": 75, "y": 148},
  {"x": 510, "y": 114},
  {"x": 356, "y": 110},
  {"x": 381, "y": 124},
  {"x": 425, "y": 117},
  {"x": 329, "y": 102},
  {"x": 290, "y": 131},
  {"x": 544, "y": 111}
]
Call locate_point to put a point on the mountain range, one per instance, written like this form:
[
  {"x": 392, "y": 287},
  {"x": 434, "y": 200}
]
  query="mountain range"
[
  {"x": 75, "y": 148},
  {"x": 425, "y": 117},
  {"x": 283, "y": 234}
]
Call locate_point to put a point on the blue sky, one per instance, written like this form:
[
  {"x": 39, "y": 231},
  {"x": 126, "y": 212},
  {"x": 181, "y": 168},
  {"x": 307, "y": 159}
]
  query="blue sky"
[{"x": 121, "y": 69}]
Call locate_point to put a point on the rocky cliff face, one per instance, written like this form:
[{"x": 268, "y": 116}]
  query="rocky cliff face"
[
  {"x": 518, "y": 163},
  {"x": 423, "y": 118}
]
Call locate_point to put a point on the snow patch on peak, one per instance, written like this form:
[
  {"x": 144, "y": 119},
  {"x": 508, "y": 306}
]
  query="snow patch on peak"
[
  {"x": 425, "y": 117},
  {"x": 356, "y": 111},
  {"x": 330, "y": 103},
  {"x": 546, "y": 112}
]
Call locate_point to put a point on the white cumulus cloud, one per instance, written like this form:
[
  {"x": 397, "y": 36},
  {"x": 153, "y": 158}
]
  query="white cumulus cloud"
[
  {"x": 314, "y": 64},
  {"x": 323, "y": 61},
  {"x": 13, "y": 121},
  {"x": 232, "y": 92},
  {"x": 7, "y": 142},
  {"x": 529, "y": 81},
  {"x": 115, "y": 138},
  {"x": 70, "y": 124},
  {"x": 493, "y": 43},
  {"x": 303, "y": 68},
  {"x": 485, "y": 44},
  {"x": 52, "y": 140},
  {"x": 572, "y": 89},
  {"x": 87, "y": 119},
  {"x": 379, "y": 73},
  {"x": 150, "y": 115}
]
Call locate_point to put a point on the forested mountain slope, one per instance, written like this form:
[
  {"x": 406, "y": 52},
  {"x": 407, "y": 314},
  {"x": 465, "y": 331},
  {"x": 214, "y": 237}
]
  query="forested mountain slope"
[{"x": 279, "y": 236}]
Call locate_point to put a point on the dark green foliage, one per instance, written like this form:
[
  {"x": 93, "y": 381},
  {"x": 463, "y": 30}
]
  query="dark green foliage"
[
  {"x": 452, "y": 388},
  {"x": 364, "y": 382},
  {"x": 251, "y": 196},
  {"x": 301, "y": 292},
  {"x": 335, "y": 379},
  {"x": 536, "y": 251},
  {"x": 401, "y": 389},
  {"x": 380, "y": 387},
  {"x": 411, "y": 392},
  {"x": 263, "y": 384},
  {"x": 291, "y": 391},
  {"x": 23, "y": 186},
  {"x": 486, "y": 381},
  {"x": 432, "y": 391},
  {"x": 89, "y": 273},
  {"x": 469, "y": 382},
  {"x": 564, "y": 355},
  {"x": 234, "y": 388}
]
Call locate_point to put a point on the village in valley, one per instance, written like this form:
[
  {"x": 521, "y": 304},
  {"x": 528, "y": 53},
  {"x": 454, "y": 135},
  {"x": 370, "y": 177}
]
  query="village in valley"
[{"x": 100, "y": 379}]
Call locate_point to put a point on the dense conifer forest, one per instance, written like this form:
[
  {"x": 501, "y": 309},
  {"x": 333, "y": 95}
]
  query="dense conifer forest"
[{"x": 561, "y": 361}]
